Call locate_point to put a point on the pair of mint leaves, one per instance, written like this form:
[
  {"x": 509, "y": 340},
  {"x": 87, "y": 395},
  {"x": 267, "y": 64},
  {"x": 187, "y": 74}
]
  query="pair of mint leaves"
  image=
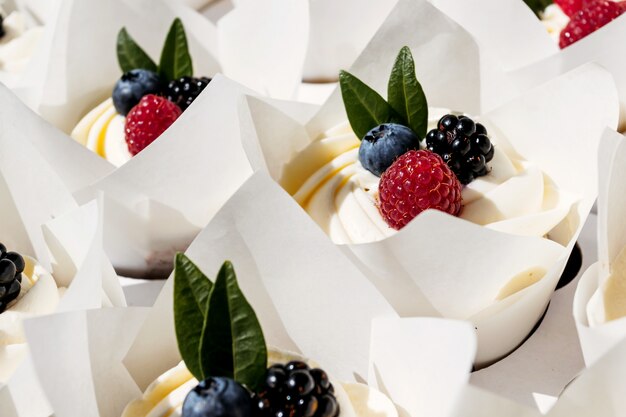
[
  {"x": 175, "y": 59},
  {"x": 406, "y": 103},
  {"x": 217, "y": 330},
  {"x": 538, "y": 6}
]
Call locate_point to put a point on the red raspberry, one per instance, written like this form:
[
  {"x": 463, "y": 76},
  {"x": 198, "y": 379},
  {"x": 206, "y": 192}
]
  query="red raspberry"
[
  {"x": 147, "y": 120},
  {"x": 589, "y": 19},
  {"x": 569, "y": 7},
  {"x": 417, "y": 181}
]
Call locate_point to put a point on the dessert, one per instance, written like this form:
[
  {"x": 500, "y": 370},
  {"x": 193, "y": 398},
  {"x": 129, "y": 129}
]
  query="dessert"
[
  {"x": 341, "y": 182},
  {"x": 568, "y": 21},
  {"x": 17, "y": 44},
  {"x": 26, "y": 290},
  {"x": 222, "y": 345},
  {"x": 145, "y": 101}
]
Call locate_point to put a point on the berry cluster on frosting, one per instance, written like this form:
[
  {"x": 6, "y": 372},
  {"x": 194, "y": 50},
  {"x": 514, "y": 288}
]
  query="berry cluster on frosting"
[
  {"x": 392, "y": 133},
  {"x": 222, "y": 344},
  {"x": 11, "y": 267},
  {"x": 153, "y": 96}
]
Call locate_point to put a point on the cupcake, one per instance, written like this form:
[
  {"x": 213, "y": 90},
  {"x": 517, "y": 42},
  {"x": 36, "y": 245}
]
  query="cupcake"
[
  {"x": 568, "y": 21},
  {"x": 18, "y": 42},
  {"x": 145, "y": 101},
  {"x": 26, "y": 290},
  {"x": 365, "y": 179},
  {"x": 237, "y": 374}
]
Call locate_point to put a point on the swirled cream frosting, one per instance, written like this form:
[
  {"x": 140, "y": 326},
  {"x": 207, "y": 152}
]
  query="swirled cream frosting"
[
  {"x": 39, "y": 295},
  {"x": 17, "y": 45},
  {"x": 165, "y": 396},
  {"x": 554, "y": 21},
  {"x": 328, "y": 181},
  {"x": 102, "y": 131}
]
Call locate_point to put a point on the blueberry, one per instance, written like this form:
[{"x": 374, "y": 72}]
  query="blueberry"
[
  {"x": 461, "y": 145},
  {"x": 275, "y": 377},
  {"x": 300, "y": 382},
  {"x": 481, "y": 143},
  {"x": 327, "y": 406},
  {"x": 7, "y": 271},
  {"x": 382, "y": 145},
  {"x": 218, "y": 397},
  {"x": 466, "y": 126},
  {"x": 133, "y": 86},
  {"x": 17, "y": 260},
  {"x": 480, "y": 129},
  {"x": 447, "y": 122}
]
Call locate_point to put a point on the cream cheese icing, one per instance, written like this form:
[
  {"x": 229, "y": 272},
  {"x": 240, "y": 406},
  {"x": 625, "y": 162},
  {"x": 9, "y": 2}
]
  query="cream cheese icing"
[
  {"x": 39, "y": 295},
  {"x": 554, "y": 21},
  {"x": 164, "y": 397},
  {"x": 102, "y": 131},
  {"x": 17, "y": 45},
  {"x": 329, "y": 182}
]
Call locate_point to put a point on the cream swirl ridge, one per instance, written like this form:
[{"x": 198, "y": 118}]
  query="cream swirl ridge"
[
  {"x": 102, "y": 131},
  {"x": 329, "y": 182}
]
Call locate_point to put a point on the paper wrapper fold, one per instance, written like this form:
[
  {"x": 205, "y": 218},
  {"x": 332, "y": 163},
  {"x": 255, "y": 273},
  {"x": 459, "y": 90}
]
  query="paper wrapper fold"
[{"x": 597, "y": 338}]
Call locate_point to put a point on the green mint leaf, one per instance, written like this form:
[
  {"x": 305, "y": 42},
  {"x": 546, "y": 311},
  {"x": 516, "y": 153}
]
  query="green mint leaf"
[
  {"x": 175, "y": 59},
  {"x": 538, "y": 6},
  {"x": 232, "y": 339},
  {"x": 191, "y": 294},
  {"x": 405, "y": 93},
  {"x": 130, "y": 55},
  {"x": 366, "y": 109}
]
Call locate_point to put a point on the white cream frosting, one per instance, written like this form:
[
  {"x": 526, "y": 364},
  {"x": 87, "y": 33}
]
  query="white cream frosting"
[
  {"x": 39, "y": 295},
  {"x": 329, "y": 182},
  {"x": 18, "y": 43},
  {"x": 164, "y": 397},
  {"x": 554, "y": 21},
  {"x": 102, "y": 131}
]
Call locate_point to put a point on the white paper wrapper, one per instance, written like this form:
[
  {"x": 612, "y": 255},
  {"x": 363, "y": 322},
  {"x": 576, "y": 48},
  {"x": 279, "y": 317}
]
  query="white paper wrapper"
[
  {"x": 596, "y": 336},
  {"x": 400, "y": 355},
  {"x": 463, "y": 290}
]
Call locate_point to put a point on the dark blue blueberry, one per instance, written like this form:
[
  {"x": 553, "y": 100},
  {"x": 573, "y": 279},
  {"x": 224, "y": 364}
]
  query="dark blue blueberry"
[
  {"x": 7, "y": 271},
  {"x": 133, "y": 86},
  {"x": 466, "y": 126},
  {"x": 218, "y": 397},
  {"x": 382, "y": 145},
  {"x": 17, "y": 260}
]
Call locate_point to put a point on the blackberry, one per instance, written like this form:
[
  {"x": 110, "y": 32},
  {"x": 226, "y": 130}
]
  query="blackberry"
[
  {"x": 185, "y": 90},
  {"x": 2, "y": 31},
  {"x": 463, "y": 145},
  {"x": 11, "y": 267},
  {"x": 295, "y": 390}
]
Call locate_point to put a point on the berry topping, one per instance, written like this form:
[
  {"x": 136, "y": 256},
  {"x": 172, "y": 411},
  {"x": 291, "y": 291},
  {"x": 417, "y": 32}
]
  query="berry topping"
[
  {"x": 218, "y": 397},
  {"x": 569, "y": 7},
  {"x": 185, "y": 90},
  {"x": 461, "y": 143},
  {"x": 147, "y": 120},
  {"x": 384, "y": 144},
  {"x": 295, "y": 390},
  {"x": 11, "y": 267},
  {"x": 132, "y": 87},
  {"x": 417, "y": 181},
  {"x": 587, "y": 20}
]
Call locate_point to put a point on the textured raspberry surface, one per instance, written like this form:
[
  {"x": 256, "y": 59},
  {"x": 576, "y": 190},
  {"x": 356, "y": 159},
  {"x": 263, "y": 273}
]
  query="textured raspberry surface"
[
  {"x": 417, "y": 181},
  {"x": 590, "y": 18},
  {"x": 147, "y": 120},
  {"x": 570, "y": 7}
]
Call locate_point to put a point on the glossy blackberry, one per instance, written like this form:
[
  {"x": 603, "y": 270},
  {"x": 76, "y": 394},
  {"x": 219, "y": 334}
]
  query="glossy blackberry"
[
  {"x": 463, "y": 144},
  {"x": 2, "y": 31},
  {"x": 295, "y": 390},
  {"x": 185, "y": 90},
  {"x": 11, "y": 267}
]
